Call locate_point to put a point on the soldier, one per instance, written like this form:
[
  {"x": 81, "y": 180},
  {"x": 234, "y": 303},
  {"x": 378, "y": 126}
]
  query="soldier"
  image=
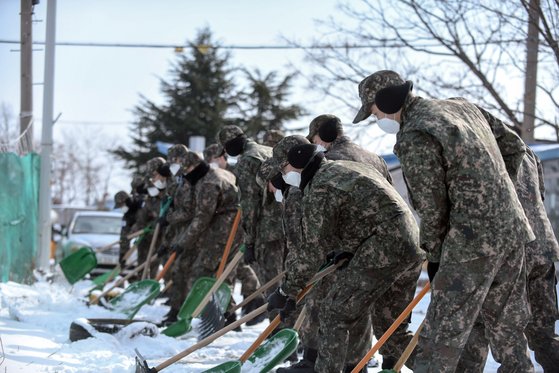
[
  {"x": 351, "y": 212},
  {"x": 216, "y": 157},
  {"x": 540, "y": 257},
  {"x": 272, "y": 137},
  {"x": 129, "y": 208},
  {"x": 327, "y": 132},
  {"x": 472, "y": 224},
  {"x": 176, "y": 220},
  {"x": 261, "y": 215},
  {"x": 215, "y": 205}
]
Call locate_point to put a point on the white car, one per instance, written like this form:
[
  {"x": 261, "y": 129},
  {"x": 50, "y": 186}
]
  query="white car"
[{"x": 94, "y": 229}]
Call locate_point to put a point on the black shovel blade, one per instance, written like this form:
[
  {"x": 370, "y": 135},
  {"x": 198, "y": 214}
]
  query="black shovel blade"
[
  {"x": 142, "y": 364},
  {"x": 211, "y": 319}
]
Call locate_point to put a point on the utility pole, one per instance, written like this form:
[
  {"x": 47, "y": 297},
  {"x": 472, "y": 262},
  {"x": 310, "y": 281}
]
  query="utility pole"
[
  {"x": 46, "y": 141},
  {"x": 531, "y": 78},
  {"x": 26, "y": 67}
]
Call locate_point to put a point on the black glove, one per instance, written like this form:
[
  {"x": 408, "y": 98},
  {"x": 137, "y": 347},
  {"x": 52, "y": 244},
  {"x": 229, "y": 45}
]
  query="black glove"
[
  {"x": 162, "y": 221},
  {"x": 249, "y": 254},
  {"x": 290, "y": 306},
  {"x": 337, "y": 256},
  {"x": 432, "y": 268},
  {"x": 276, "y": 300}
]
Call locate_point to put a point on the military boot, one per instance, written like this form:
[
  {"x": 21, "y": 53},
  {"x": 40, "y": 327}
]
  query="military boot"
[
  {"x": 388, "y": 362},
  {"x": 306, "y": 365},
  {"x": 349, "y": 368}
]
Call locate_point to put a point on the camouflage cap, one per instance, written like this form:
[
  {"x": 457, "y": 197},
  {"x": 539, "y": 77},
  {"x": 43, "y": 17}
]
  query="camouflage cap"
[
  {"x": 213, "y": 151},
  {"x": 266, "y": 171},
  {"x": 320, "y": 120},
  {"x": 177, "y": 151},
  {"x": 272, "y": 137},
  {"x": 191, "y": 159},
  {"x": 137, "y": 181},
  {"x": 369, "y": 87},
  {"x": 228, "y": 133},
  {"x": 153, "y": 164},
  {"x": 279, "y": 153},
  {"x": 120, "y": 198}
]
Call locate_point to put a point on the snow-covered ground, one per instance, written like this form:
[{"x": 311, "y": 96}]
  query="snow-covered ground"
[{"x": 34, "y": 335}]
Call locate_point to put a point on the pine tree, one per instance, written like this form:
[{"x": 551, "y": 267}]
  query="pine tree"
[{"x": 198, "y": 98}]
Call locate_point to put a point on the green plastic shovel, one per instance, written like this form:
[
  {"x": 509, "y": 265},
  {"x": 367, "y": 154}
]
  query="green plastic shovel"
[
  {"x": 78, "y": 264},
  {"x": 135, "y": 296}
]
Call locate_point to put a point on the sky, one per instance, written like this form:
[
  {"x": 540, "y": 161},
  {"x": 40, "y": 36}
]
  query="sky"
[{"x": 97, "y": 87}]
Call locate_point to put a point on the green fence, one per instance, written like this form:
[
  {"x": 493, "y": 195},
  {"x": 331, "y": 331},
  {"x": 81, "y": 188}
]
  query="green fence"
[{"x": 19, "y": 210}]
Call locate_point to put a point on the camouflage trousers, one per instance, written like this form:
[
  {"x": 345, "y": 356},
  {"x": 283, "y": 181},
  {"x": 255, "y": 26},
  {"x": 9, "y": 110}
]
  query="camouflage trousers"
[
  {"x": 540, "y": 331},
  {"x": 248, "y": 279},
  {"x": 181, "y": 276},
  {"x": 493, "y": 288},
  {"x": 382, "y": 293},
  {"x": 269, "y": 264},
  {"x": 360, "y": 334}
]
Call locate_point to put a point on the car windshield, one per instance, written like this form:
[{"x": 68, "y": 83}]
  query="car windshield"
[{"x": 97, "y": 224}]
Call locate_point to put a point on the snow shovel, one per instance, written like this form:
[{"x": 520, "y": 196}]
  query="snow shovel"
[
  {"x": 141, "y": 363},
  {"x": 121, "y": 281},
  {"x": 162, "y": 212},
  {"x": 210, "y": 323},
  {"x": 278, "y": 349},
  {"x": 391, "y": 329},
  {"x": 78, "y": 264},
  {"x": 407, "y": 352},
  {"x": 200, "y": 295},
  {"x": 135, "y": 296}
]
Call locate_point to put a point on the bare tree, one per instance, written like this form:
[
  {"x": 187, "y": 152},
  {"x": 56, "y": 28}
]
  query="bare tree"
[
  {"x": 8, "y": 127},
  {"x": 470, "y": 48}
]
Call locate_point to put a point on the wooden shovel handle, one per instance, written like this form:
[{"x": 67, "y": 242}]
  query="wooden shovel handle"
[
  {"x": 409, "y": 349},
  {"x": 108, "y": 246},
  {"x": 122, "y": 280},
  {"x": 166, "y": 267},
  {"x": 206, "y": 341},
  {"x": 392, "y": 328},
  {"x": 258, "y": 291},
  {"x": 276, "y": 321},
  {"x": 146, "y": 273},
  {"x": 229, "y": 243},
  {"x": 217, "y": 284}
]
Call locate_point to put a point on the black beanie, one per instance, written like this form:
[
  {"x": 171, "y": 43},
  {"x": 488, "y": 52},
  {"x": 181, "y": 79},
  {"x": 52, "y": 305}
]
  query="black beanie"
[
  {"x": 300, "y": 155},
  {"x": 391, "y": 99},
  {"x": 328, "y": 130}
]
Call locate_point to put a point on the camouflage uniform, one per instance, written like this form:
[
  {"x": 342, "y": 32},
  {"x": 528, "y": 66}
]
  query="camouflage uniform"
[
  {"x": 542, "y": 296},
  {"x": 215, "y": 206},
  {"x": 343, "y": 149},
  {"x": 272, "y": 137},
  {"x": 351, "y": 207},
  {"x": 260, "y": 213},
  {"x": 471, "y": 223}
]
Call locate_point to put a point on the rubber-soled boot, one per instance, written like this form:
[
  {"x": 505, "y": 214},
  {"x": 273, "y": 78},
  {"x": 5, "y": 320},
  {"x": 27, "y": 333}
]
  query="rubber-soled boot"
[
  {"x": 251, "y": 306},
  {"x": 230, "y": 319},
  {"x": 388, "y": 362},
  {"x": 306, "y": 365}
]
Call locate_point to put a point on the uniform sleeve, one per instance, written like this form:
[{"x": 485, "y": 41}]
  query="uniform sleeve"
[
  {"x": 510, "y": 144},
  {"x": 206, "y": 199},
  {"x": 423, "y": 168},
  {"x": 251, "y": 196},
  {"x": 318, "y": 218},
  {"x": 182, "y": 210},
  {"x": 540, "y": 177}
]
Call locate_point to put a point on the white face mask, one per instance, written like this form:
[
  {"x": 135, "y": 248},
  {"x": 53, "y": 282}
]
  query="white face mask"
[
  {"x": 160, "y": 184},
  {"x": 214, "y": 165},
  {"x": 320, "y": 148},
  {"x": 278, "y": 195},
  {"x": 175, "y": 167},
  {"x": 153, "y": 191},
  {"x": 124, "y": 209},
  {"x": 388, "y": 125},
  {"x": 292, "y": 178}
]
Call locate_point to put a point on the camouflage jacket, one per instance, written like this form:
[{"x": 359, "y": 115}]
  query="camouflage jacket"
[
  {"x": 349, "y": 206},
  {"x": 457, "y": 181},
  {"x": 292, "y": 212},
  {"x": 214, "y": 194},
  {"x": 261, "y": 216},
  {"x": 343, "y": 149},
  {"x": 530, "y": 190}
]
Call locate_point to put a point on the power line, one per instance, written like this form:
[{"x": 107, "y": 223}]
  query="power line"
[{"x": 179, "y": 47}]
